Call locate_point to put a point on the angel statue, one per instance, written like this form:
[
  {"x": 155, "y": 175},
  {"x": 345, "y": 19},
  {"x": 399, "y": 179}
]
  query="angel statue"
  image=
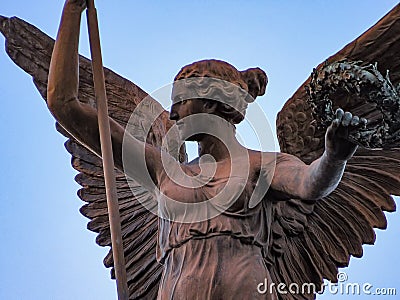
[{"x": 218, "y": 226}]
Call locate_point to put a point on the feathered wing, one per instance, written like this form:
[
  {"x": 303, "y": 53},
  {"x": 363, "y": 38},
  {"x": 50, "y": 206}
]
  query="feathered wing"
[
  {"x": 310, "y": 240},
  {"x": 31, "y": 49}
]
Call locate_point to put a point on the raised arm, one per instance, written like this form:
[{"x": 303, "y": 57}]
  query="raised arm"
[
  {"x": 295, "y": 179},
  {"x": 80, "y": 120}
]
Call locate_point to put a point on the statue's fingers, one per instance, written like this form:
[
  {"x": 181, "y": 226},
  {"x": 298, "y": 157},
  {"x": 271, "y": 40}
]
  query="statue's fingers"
[
  {"x": 363, "y": 122},
  {"x": 355, "y": 121},
  {"x": 335, "y": 123},
  {"x": 347, "y": 119},
  {"x": 330, "y": 133},
  {"x": 339, "y": 114}
]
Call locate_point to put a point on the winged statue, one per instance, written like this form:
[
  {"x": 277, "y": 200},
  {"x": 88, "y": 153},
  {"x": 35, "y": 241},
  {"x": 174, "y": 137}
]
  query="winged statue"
[{"x": 316, "y": 213}]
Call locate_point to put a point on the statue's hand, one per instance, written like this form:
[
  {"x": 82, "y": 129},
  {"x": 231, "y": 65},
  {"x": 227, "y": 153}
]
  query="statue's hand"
[
  {"x": 77, "y": 5},
  {"x": 337, "y": 146}
]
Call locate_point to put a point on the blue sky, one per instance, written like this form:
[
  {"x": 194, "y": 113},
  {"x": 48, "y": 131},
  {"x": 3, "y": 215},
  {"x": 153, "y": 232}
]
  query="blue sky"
[{"x": 46, "y": 252}]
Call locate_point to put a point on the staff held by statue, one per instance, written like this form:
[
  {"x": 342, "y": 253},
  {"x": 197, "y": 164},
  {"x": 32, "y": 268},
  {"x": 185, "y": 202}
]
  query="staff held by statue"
[{"x": 106, "y": 150}]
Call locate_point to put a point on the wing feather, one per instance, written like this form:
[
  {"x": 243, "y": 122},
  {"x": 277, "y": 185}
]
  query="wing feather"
[{"x": 336, "y": 243}]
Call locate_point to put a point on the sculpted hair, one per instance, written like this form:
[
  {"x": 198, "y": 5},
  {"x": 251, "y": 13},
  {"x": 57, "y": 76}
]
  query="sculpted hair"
[{"x": 236, "y": 88}]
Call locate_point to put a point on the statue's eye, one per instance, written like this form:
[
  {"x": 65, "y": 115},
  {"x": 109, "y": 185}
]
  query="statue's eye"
[{"x": 183, "y": 101}]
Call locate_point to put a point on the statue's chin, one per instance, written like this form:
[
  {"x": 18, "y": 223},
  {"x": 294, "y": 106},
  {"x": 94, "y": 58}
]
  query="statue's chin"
[{"x": 195, "y": 138}]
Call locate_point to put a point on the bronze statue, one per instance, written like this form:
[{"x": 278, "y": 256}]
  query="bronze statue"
[{"x": 324, "y": 194}]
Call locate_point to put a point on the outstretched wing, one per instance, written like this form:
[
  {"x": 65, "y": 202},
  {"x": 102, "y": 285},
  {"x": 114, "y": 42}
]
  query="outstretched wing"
[
  {"x": 312, "y": 239},
  {"x": 31, "y": 49}
]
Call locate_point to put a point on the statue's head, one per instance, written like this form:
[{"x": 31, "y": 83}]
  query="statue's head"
[{"x": 216, "y": 87}]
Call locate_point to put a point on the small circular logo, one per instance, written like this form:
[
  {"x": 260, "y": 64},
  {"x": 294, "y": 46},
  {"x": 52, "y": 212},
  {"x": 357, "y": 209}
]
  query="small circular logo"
[{"x": 342, "y": 277}]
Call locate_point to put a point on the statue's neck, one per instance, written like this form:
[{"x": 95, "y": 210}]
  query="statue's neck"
[{"x": 221, "y": 146}]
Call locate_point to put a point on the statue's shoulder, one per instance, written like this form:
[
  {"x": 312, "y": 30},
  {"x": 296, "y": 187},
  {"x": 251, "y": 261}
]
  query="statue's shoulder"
[{"x": 261, "y": 160}]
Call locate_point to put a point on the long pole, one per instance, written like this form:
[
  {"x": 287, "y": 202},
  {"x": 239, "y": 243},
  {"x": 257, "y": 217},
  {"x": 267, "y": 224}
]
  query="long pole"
[{"x": 106, "y": 151}]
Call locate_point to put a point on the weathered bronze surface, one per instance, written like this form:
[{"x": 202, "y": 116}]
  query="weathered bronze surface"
[{"x": 325, "y": 195}]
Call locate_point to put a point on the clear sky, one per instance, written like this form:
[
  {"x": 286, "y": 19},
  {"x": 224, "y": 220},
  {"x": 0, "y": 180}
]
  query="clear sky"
[{"x": 46, "y": 251}]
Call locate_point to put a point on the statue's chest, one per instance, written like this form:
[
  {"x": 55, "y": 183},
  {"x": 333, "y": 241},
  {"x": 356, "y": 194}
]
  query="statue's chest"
[{"x": 217, "y": 187}]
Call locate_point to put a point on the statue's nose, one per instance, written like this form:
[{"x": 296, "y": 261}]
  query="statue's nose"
[{"x": 173, "y": 115}]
